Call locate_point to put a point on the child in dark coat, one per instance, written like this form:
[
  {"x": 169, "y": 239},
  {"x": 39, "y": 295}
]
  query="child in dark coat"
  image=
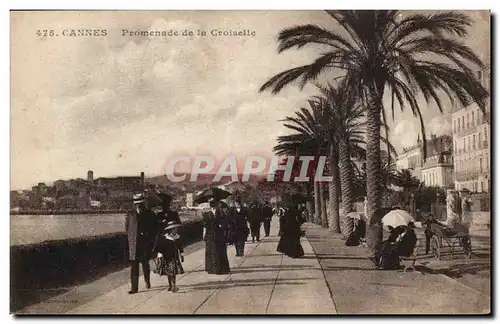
[{"x": 169, "y": 249}]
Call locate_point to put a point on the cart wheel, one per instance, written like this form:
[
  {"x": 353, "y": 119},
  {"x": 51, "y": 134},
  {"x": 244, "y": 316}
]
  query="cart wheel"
[
  {"x": 435, "y": 246},
  {"x": 467, "y": 246}
]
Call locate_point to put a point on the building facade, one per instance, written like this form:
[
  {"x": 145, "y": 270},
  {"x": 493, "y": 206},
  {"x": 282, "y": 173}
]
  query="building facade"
[
  {"x": 411, "y": 158},
  {"x": 437, "y": 169},
  {"x": 189, "y": 200},
  {"x": 471, "y": 144}
]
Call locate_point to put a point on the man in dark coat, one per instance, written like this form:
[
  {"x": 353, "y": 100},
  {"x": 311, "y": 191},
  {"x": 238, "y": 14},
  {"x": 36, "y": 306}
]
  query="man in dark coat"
[
  {"x": 141, "y": 227},
  {"x": 255, "y": 220},
  {"x": 238, "y": 229},
  {"x": 267, "y": 215},
  {"x": 407, "y": 243}
]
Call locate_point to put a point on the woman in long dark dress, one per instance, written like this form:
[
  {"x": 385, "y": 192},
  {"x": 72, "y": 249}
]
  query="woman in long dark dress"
[
  {"x": 215, "y": 222},
  {"x": 290, "y": 233}
]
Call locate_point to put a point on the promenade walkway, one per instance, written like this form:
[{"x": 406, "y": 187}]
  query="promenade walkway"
[
  {"x": 262, "y": 282},
  {"x": 330, "y": 279}
]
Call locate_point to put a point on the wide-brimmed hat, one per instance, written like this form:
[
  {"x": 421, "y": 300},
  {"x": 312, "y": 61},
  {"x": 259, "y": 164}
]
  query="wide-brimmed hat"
[
  {"x": 165, "y": 197},
  {"x": 172, "y": 224},
  {"x": 138, "y": 198}
]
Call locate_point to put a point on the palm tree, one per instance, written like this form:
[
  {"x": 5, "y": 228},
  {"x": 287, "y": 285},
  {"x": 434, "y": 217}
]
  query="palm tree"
[
  {"x": 379, "y": 51},
  {"x": 346, "y": 135},
  {"x": 309, "y": 140},
  {"x": 405, "y": 179}
]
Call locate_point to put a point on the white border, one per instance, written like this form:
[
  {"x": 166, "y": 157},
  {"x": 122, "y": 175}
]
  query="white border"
[{"x": 188, "y": 4}]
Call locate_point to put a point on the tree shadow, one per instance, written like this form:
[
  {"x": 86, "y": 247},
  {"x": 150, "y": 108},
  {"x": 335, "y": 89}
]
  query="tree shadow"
[
  {"x": 264, "y": 267},
  {"x": 368, "y": 268},
  {"x": 334, "y": 257},
  {"x": 227, "y": 284},
  {"x": 457, "y": 270}
]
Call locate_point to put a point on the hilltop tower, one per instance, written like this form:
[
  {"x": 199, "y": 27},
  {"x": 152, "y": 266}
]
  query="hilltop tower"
[{"x": 90, "y": 176}]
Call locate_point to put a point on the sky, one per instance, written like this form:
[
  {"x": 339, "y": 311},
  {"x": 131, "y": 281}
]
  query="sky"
[{"x": 119, "y": 105}]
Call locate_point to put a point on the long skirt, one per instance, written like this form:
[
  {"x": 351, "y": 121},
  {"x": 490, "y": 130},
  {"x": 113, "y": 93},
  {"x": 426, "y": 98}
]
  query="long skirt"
[
  {"x": 216, "y": 261},
  {"x": 290, "y": 245},
  {"x": 170, "y": 267}
]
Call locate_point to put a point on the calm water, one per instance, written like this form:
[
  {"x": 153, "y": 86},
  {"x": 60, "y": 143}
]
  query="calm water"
[{"x": 27, "y": 229}]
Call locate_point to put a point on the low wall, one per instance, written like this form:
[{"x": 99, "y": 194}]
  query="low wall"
[{"x": 68, "y": 262}]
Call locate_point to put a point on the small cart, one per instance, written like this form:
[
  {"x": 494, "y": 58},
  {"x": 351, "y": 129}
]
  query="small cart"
[{"x": 453, "y": 237}]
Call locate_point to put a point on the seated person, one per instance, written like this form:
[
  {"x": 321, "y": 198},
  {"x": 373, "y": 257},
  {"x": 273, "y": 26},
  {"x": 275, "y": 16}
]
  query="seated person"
[
  {"x": 395, "y": 232},
  {"x": 407, "y": 241},
  {"x": 354, "y": 239},
  {"x": 387, "y": 256}
]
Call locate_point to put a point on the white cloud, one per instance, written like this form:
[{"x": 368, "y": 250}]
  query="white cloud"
[{"x": 120, "y": 105}]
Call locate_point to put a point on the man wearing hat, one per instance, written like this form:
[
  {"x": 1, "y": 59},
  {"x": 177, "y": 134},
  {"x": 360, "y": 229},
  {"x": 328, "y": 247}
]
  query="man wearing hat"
[
  {"x": 168, "y": 214},
  {"x": 141, "y": 226}
]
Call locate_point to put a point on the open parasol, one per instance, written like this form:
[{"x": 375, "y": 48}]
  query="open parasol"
[
  {"x": 354, "y": 215},
  {"x": 216, "y": 193},
  {"x": 397, "y": 217}
]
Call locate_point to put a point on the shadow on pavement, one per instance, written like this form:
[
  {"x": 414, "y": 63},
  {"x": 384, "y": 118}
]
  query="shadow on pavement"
[
  {"x": 457, "y": 270},
  {"x": 225, "y": 284}
]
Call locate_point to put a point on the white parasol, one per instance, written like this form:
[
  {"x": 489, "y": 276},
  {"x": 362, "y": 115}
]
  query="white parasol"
[
  {"x": 397, "y": 218},
  {"x": 354, "y": 215}
]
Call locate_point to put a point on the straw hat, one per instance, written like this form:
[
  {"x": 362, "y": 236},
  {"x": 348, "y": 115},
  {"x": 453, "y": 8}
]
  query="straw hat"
[
  {"x": 172, "y": 224},
  {"x": 138, "y": 198}
]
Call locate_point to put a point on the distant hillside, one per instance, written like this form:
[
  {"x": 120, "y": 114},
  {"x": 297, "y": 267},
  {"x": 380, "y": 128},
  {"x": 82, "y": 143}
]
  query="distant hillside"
[{"x": 203, "y": 180}]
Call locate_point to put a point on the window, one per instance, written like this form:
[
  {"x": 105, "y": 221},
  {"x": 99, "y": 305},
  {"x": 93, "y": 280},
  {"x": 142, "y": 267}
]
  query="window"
[
  {"x": 478, "y": 117},
  {"x": 465, "y": 148},
  {"x": 485, "y": 138},
  {"x": 479, "y": 144},
  {"x": 468, "y": 120},
  {"x": 487, "y": 162},
  {"x": 482, "y": 186},
  {"x": 463, "y": 122},
  {"x": 474, "y": 141},
  {"x": 480, "y": 164},
  {"x": 472, "y": 119},
  {"x": 454, "y": 126},
  {"x": 468, "y": 141}
]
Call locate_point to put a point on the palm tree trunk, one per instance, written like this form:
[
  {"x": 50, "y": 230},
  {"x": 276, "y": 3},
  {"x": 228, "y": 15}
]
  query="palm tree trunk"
[
  {"x": 322, "y": 203},
  {"x": 333, "y": 191},
  {"x": 317, "y": 207},
  {"x": 373, "y": 170},
  {"x": 346, "y": 178},
  {"x": 309, "y": 208}
]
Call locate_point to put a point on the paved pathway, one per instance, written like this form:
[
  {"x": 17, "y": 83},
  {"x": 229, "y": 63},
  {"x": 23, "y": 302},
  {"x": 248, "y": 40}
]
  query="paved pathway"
[
  {"x": 331, "y": 278},
  {"x": 262, "y": 282},
  {"x": 358, "y": 288}
]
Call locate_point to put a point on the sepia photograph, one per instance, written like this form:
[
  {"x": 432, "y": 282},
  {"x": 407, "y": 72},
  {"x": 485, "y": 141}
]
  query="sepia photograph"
[{"x": 250, "y": 162}]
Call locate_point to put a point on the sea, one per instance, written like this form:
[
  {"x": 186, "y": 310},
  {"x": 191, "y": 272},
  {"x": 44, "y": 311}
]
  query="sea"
[{"x": 29, "y": 229}]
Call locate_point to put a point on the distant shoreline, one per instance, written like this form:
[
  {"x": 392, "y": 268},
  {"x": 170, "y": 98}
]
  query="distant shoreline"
[{"x": 67, "y": 212}]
